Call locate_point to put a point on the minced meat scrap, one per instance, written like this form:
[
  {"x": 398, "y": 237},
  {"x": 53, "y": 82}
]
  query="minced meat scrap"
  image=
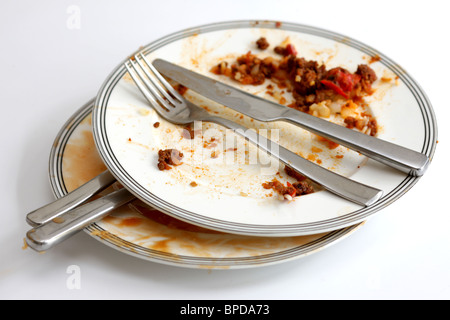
[
  {"x": 290, "y": 190},
  {"x": 360, "y": 124},
  {"x": 294, "y": 174},
  {"x": 262, "y": 43},
  {"x": 168, "y": 158},
  {"x": 286, "y": 51},
  {"x": 309, "y": 81}
]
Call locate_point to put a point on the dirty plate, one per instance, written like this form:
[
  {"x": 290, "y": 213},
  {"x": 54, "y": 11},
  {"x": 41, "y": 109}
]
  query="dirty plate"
[
  {"x": 141, "y": 231},
  {"x": 219, "y": 184}
]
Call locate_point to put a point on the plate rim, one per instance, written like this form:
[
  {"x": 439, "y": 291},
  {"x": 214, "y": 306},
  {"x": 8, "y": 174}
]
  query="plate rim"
[
  {"x": 428, "y": 148},
  {"x": 96, "y": 231}
]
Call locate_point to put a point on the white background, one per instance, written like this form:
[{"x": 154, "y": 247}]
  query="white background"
[{"x": 49, "y": 70}]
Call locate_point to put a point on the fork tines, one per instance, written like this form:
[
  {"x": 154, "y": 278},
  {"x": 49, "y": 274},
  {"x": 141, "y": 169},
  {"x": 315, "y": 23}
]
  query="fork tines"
[{"x": 139, "y": 69}]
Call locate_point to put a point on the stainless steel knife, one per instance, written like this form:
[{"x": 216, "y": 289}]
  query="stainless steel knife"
[{"x": 396, "y": 156}]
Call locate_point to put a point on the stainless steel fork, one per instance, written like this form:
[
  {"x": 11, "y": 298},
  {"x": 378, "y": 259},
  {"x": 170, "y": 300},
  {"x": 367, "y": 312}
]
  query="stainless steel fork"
[{"x": 171, "y": 106}]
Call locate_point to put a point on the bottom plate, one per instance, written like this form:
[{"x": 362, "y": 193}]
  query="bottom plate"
[{"x": 139, "y": 230}]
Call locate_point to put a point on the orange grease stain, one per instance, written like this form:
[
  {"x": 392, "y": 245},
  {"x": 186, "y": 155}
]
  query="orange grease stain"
[
  {"x": 316, "y": 149},
  {"x": 81, "y": 161},
  {"x": 328, "y": 143},
  {"x": 168, "y": 221},
  {"x": 131, "y": 222}
]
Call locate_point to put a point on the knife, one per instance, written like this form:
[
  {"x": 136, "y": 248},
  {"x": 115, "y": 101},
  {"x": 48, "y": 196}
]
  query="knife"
[{"x": 396, "y": 156}]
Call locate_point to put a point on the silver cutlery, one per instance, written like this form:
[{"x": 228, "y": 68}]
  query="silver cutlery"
[
  {"x": 63, "y": 226},
  {"x": 70, "y": 200},
  {"x": 171, "y": 106},
  {"x": 398, "y": 157}
]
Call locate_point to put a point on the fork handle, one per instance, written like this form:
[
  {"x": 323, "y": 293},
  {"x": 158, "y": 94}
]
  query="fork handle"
[
  {"x": 49, "y": 234},
  {"x": 342, "y": 186},
  {"x": 70, "y": 200}
]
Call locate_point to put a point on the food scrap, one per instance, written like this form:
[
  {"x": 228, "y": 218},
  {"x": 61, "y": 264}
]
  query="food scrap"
[
  {"x": 290, "y": 190},
  {"x": 168, "y": 158},
  {"x": 312, "y": 85},
  {"x": 180, "y": 88},
  {"x": 262, "y": 43}
]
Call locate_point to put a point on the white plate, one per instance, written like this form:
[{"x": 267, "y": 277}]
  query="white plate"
[
  {"x": 229, "y": 196},
  {"x": 139, "y": 231}
]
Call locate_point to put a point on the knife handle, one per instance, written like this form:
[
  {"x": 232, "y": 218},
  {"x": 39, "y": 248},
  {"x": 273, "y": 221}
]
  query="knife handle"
[
  {"x": 342, "y": 186},
  {"x": 70, "y": 200},
  {"x": 47, "y": 235},
  {"x": 393, "y": 155}
]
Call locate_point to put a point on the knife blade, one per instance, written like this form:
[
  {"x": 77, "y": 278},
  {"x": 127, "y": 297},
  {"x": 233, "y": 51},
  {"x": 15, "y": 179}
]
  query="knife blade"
[{"x": 393, "y": 155}]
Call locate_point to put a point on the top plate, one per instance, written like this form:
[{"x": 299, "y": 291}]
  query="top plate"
[{"x": 228, "y": 195}]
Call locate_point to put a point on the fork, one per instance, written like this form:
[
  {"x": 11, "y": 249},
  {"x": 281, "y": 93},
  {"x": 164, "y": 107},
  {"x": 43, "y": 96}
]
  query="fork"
[{"x": 172, "y": 106}]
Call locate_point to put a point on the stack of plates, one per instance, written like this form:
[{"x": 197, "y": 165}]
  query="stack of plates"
[{"x": 214, "y": 214}]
